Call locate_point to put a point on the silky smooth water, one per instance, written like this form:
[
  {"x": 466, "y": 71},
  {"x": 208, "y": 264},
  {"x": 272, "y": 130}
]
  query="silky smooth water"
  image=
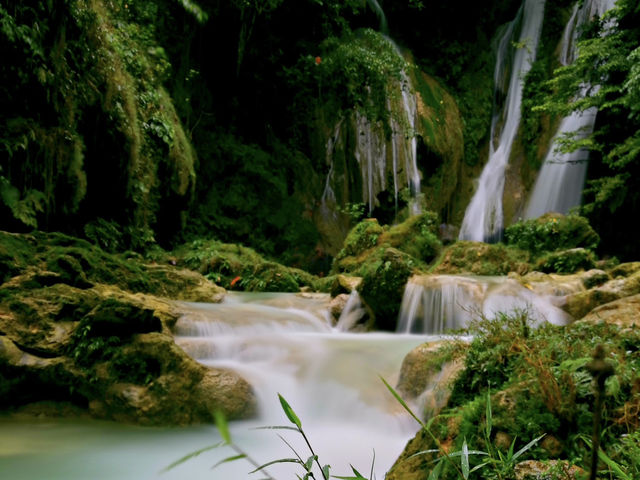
[{"x": 281, "y": 343}]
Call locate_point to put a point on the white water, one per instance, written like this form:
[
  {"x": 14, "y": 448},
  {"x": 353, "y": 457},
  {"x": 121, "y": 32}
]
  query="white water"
[
  {"x": 433, "y": 304},
  {"x": 483, "y": 219},
  {"x": 373, "y": 151},
  {"x": 558, "y": 187},
  {"x": 281, "y": 343}
]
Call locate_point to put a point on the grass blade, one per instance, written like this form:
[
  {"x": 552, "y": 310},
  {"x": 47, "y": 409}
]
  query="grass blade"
[
  {"x": 189, "y": 456},
  {"x": 527, "y": 447},
  {"x": 435, "y": 473},
  {"x": 229, "y": 459},
  {"x": 613, "y": 466},
  {"x": 288, "y": 411},
  {"x": 221, "y": 424},
  {"x": 273, "y": 462},
  {"x": 464, "y": 460}
]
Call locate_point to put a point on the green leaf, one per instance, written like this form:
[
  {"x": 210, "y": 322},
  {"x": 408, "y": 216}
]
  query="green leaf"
[
  {"x": 309, "y": 463},
  {"x": 435, "y": 473},
  {"x": 615, "y": 468},
  {"x": 325, "y": 471},
  {"x": 288, "y": 411},
  {"x": 273, "y": 462},
  {"x": 401, "y": 401},
  {"x": 190, "y": 455},
  {"x": 221, "y": 424},
  {"x": 464, "y": 459},
  {"x": 527, "y": 447},
  {"x": 229, "y": 459},
  {"x": 489, "y": 414}
]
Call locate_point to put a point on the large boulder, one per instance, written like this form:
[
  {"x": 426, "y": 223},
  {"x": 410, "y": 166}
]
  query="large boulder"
[
  {"x": 108, "y": 351},
  {"x": 581, "y": 303}
]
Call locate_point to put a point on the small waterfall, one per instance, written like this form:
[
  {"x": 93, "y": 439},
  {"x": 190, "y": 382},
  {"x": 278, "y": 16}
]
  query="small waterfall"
[
  {"x": 558, "y": 187},
  {"x": 353, "y": 311},
  {"x": 284, "y": 343},
  {"x": 483, "y": 219},
  {"x": 433, "y": 304}
]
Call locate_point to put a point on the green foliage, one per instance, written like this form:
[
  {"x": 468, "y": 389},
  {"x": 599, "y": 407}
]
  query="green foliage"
[
  {"x": 567, "y": 261},
  {"x": 240, "y": 268},
  {"x": 539, "y": 383},
  {"x": 255, "y": 197},
  {"x": 86, "y": 348},
  {"x": 481, "y": 259},
  {"x": 360, "y": 238},
  {"x": 552, "y": 232},
  {"x": 607, "y": 61},
  {"x": 416, "y": 236}
]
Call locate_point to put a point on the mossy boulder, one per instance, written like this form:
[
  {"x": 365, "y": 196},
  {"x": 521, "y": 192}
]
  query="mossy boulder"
[
  {"x": 429, "y": 370},
  {"x": 240, "y": 268},
  {"x": 552, "y": 232},
  {"x": 624, "y": 312},
  {"x": 111, "y": 353},
  {"x": 466, "y": 257},
  {"x": 384, "y": 276},
  {"x": 567, "y": 261},
  {"x": 581, "y": 303},
  {"x": 416, "y": 236},
  {"x": 536, "y": 382}
]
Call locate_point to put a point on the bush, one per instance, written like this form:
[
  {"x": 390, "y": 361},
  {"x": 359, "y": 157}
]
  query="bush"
[{"x": 552, "y": 232}]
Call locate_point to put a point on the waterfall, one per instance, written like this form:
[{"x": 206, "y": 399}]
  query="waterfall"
[
  {"x": 372, "y": 149},
  {"x": 433, "y": 304},
  {"x": 558, "y": 187},
  {"x": 483, "y": 219}
]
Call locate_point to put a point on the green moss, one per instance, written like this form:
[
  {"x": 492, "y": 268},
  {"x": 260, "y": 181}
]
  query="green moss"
[
  {"x": 417, "y": 236},
  {"x": 481, "y": 259},
  {"x": 567, "y": 261},
  {"x": 384, "y": 275},
  {"x": 552, "y": 232},
  {"x": 241, "y": 268}
]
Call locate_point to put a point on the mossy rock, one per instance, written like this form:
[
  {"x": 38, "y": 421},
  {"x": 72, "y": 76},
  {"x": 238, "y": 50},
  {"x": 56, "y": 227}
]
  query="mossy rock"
[
  {"x": 567, "y": 261},
  {"x": 360, "y": 238},
  {"x": 466, "y": 257},
  {"x": 581, "y": 303},
  {"x": 241, "y": 268},
  {"x": 417, "y": 236},
  {"x": 110, "y": 353},
  {"x": 384, "y": 276},
  {"x": 536, "y": 382},
  {"x": 552, "y": 232}
]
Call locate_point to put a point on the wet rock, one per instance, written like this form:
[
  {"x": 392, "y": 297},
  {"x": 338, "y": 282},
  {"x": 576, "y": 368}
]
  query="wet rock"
[
  {"x": 624, "y": 312},
  {"x": 336, "y": 307},
  {"x": 344, "y": 284},
  {"x": 579, "y": 304},
  {"x": 548, "y": 470}
]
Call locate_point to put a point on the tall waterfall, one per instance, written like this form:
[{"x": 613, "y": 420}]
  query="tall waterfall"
[
  {"x": 483, "y": 219},
  {"x": 558, "y": 187},
  {"x": 376, "y": 155}
]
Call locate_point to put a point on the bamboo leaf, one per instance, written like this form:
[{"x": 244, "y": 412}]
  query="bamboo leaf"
[
  {"x": 190, "y": 455},
  {"x": 288, "y": 411},
  {"x": 221, "y": 424},
  {"x": 273, "y": 462},
  {"x": 615, "y": 468},
  {"x": 229, "y": 459},
  {"x": 402, "y": 402},
  {"x": 325, "y": 471}
]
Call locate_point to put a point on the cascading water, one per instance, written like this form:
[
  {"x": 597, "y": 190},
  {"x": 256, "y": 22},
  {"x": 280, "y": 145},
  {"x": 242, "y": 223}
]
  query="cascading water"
[
  {"x": 284, "y": 343},
  {"x": 483, "y": 219},
  {"x": 558, "y": 187},
  {"x": 433, "y": 304},
  {"x": 371, "y": 147}
]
